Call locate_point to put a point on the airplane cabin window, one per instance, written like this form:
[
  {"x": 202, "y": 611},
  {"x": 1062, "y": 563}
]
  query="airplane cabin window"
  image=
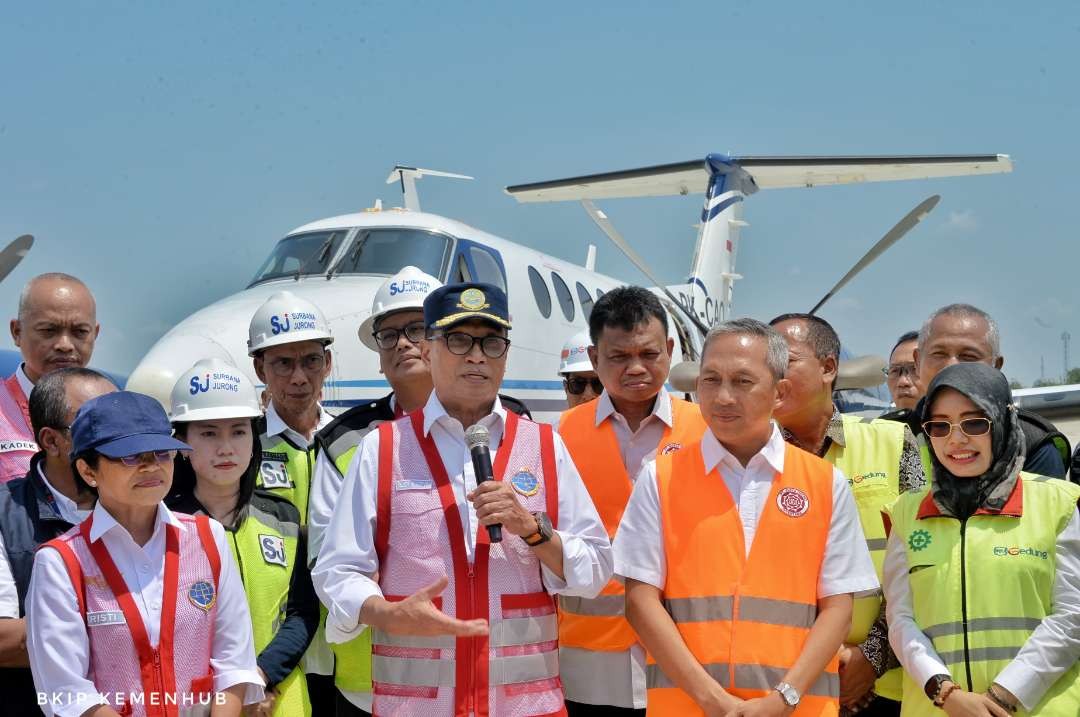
[
  {"x": 566, "y": 299},
  {"x": 300, "y": 255},
  {"x": 586, "y": 300},
  {"x": 540, "y": 293},
  {"x": 384, "y": 251},
  {"x": 487, "y": 269}
]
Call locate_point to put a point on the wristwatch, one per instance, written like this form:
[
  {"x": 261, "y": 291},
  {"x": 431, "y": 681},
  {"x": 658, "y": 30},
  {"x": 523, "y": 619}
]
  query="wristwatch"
[
  {"x": 543, "y": 532},
  {"x": 933, "y": 687},
  {"x": 789, "y": 694}
]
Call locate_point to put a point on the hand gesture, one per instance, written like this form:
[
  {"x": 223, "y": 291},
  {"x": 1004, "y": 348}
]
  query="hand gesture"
[{"x": 417, "y": 615}]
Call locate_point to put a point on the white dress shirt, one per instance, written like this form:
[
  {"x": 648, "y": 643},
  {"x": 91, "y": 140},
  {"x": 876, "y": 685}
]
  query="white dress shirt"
[
  {"x": 326, "y": 483},
  {"x": 276, "y": 426},
  {"x": 1051, "y": 649},
  {"x": 9, "y": 593},
  {"x": 56, "y": 635},
  {"x": 69, "y": 510},
  {"x": 639, "y": 546},
  {"x": 342, "y": 574},
  {"x": 24, "y": 381},
  {"x": 624, "y": 672}
]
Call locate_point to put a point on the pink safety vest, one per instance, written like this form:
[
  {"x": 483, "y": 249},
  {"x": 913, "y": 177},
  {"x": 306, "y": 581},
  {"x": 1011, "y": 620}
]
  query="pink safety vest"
[
  {"x": 512, "y": 672},
  {"x": 174, "y": 678},
  {"x": 16, "y": 437}
]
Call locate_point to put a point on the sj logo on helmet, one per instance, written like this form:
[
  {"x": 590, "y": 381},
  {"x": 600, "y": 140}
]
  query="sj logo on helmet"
[
  {"x": 198, "y": 386},
  {"x": 218, "y": 381},
  {"x": 409, "y": 286},
  {"x": 296, "y": 321}
]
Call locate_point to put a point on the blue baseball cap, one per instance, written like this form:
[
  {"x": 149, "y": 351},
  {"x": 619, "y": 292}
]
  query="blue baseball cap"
[
  {"x": 454, "y": 303},
  {"x": 122, "y": 423}
]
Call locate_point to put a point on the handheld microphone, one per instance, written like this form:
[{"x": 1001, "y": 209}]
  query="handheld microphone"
[{"x": 478, "y": 439}]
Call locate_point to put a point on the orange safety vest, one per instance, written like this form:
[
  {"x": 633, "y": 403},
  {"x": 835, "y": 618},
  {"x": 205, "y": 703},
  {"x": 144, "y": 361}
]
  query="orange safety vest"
[
  {"x": 745, "y": 618},
  {"x": 600, "y": 624}
]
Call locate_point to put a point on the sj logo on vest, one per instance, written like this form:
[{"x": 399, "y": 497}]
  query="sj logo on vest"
[
  {"x": 670, "y": 448},
  {"x": 275, "y": 475},
  {"x": 202, "y": 595},
  {"x": 273, "y": 550},
  {"x": 919, "y": 540},
  {"x": 525, "y": 483},
  {"x": 792, "y": 502}
]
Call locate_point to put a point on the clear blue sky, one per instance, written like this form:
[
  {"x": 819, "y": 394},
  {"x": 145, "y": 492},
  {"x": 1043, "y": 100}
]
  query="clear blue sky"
[{"x": 159, "y": 151}]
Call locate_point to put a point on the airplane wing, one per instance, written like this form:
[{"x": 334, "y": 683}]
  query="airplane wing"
[{"x": 692, "y": 177}]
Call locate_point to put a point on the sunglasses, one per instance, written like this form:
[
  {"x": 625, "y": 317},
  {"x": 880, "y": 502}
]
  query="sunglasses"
[
  {"x": 969, "y": 427},
  {"x": 576, "y": 385},
  {"x": 387, "y": 339},
  {"x": 147, "y": 457}
]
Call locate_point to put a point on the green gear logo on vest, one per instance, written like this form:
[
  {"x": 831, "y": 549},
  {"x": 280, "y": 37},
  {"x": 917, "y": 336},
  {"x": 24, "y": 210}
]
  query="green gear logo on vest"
[{"x": 918, "y": 540}]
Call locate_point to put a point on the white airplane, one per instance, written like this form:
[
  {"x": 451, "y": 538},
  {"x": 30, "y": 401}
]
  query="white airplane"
[{"x": 339, "y": 262}]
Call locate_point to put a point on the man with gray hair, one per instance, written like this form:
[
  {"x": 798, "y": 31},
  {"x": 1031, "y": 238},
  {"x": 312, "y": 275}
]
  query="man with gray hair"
[
  {"x": 34, "y": 509},
  {"x": 963, "y": 333},
  {"x": 56, "y": 328},
  {"x": 727, "y": 634}
]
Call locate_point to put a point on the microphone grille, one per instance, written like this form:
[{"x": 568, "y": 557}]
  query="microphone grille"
[{"x": 477, "y": 435}]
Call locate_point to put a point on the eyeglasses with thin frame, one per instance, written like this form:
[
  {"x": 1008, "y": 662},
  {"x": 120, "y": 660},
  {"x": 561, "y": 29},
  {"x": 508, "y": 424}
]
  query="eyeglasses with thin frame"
[
  {"x": 970, "y": 427},
  {"x": 575, "y": 385},
  {"x": 138, "y": 459},
  {"x": 388, "y": 338},
  {"x": 286, "y": 365},
  {"x": 895, "y": 371},
  {"x": 460, "y": 343}
]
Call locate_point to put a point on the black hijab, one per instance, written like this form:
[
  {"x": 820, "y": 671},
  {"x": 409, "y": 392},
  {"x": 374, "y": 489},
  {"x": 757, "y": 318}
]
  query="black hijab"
[{"x": 989, "y": 390}]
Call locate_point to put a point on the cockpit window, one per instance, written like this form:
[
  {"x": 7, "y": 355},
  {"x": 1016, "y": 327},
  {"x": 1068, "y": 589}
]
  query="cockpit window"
[
  {"x": 385, "y": 251},
  {"x": 301, "y": 255}
]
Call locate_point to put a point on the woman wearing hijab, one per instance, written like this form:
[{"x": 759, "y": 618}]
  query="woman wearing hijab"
[
  {"x": 137, "y": 610},
  {"x": 982, "y": 568},
  {"x": 214, "y": 407}
]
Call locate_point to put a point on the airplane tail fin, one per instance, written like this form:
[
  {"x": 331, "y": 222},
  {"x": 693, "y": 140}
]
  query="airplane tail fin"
[{"x": 727, "y": 181}]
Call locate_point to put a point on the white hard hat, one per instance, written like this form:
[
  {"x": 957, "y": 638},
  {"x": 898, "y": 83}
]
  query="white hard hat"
[
  {"x": 285, "y": 318},
  {"x": 213, "y": 389},
  {"x": 575, "y": 354},
  {"x": 403, "y": 291}
]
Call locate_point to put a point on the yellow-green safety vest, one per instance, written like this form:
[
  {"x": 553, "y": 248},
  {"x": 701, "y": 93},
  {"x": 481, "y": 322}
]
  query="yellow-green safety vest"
[
  {"x": 285, "y": 471},
  {"x": 352, "y": 666},
  {"x": 870, "y": 458},
  {"x": 264, "y": 547},
  {"x": 977, "y": 629}
]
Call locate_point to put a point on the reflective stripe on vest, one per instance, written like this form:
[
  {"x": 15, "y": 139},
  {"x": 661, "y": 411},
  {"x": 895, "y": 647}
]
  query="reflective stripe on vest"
[
  {"x": 744, "y": 617},
  {"x": 956, "y": 571},
  {"x": 599, "y": 623},
  {"x": 124, "y": 666},
  {"x": 286, "y": 471},
  {"x": 265, "y": 552},
  {"x": 870, "y": 458},
  {"x": 419, "y": 537}
]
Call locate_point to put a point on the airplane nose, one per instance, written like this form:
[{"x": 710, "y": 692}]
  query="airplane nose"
[{"x": 157, "y": 373}]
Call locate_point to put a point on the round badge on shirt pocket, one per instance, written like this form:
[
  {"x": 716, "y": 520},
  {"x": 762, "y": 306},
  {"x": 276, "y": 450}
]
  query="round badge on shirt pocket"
[
  {"x": 525, "y": 483},
  {"x": 792, "y": 502}
]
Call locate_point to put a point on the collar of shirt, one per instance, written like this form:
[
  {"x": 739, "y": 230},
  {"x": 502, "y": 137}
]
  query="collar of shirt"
[
  {"x": 104, "y": 522},
  {"x": 69, "y": 510},
  {"x": 435, "y": 414},
  {"x": 834, "y": 433},
  {"x": 714, "y": 454},
  {"x": 276, "y": 426},
  {"x": 661, "y": 408},
  {"x": 24, "y": 381}
]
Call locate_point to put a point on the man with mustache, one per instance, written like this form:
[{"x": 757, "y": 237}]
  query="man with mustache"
[{"x": 56, "y": 328}]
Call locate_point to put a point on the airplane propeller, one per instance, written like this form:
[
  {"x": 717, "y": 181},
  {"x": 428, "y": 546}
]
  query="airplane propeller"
[
  {"x": 616, "y": 238},
  {"x": 902, "y": 227},
  {"x": 13, "y": 253}
]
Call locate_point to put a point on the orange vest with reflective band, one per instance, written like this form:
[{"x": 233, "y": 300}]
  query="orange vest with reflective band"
[
  {"x": 745, "y": 618},
  {"x": 599, "y": 624}
]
